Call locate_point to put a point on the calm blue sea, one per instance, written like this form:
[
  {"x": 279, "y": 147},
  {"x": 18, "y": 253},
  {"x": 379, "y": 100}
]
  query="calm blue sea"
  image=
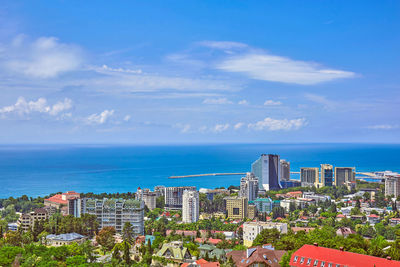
[{"x": 41, "y": 170}]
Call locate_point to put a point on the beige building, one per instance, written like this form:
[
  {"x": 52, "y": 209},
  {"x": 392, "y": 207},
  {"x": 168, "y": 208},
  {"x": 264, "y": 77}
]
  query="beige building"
[
  {"x": 236, "y": 207},
  {"x": 149, "y": 198},
  {"x": 27, "y": 220},
  {"x": 251, "y": 211},
  {"x": 309, "y": 177},
  {"x": 344, "y": 175},
  {"x": 252, "y": 229},
  {"x": 190, "y": 206},
  {"x": 392, "y": 186}
]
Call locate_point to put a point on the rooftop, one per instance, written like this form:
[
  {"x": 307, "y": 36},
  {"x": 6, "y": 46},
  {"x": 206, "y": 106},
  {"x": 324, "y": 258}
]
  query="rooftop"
[{"x": 65, "y": 237}]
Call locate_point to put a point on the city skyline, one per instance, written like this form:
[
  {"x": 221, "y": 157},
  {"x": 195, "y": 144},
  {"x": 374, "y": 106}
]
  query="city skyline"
[{"x": 199, "y": 72}]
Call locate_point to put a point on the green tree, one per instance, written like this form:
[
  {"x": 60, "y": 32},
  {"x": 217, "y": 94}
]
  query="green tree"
[
  {"x": 126, "y": 248},
  {"x": 106, "y": 238},
  {"x": 266, "y": 236},
  {"x": 127, "y": 232},
  {"x": 75, "y": 260}
]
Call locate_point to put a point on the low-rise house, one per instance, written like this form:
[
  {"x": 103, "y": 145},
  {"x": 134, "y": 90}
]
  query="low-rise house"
[
  {"x": 345, "y": 231},
  {"x": 346, "y": 210},
  {"x": 373, "y": 219},
  {"x": 313, "y": 255},
  {"x": 394, "y": 221},
  {"x": 301, "y": 203},
  {"x": 12, "y": 227},
  {"x": 357, "y": 217},
  {"x": 305, "y": 229},
  {"x": 212, "y": 251},
  {"x": 174, "y": 251},
  {"x": 252, "y": 229},
  {"x": 182, "y": 232},
  {"x": 201, "y": 263},
  {"x": 317, "y": 198},
  {"x": 340, "y": 217},
  {"x": 256, "y": 256},
  {"x": 64, "y": 239}
]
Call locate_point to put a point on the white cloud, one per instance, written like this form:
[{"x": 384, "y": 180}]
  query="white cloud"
[
  {"x": 221, "y": 128},
  {"x": 243, "y": 102},
  {"x": 272, "y": 103},
  {"x": 217, "y": 101},
  {"x": 263, "y": 66},
  {"x": 45, "y": 57},
  {"x": 127, "y": 118},
  {"x": 23, "y": 107},
  {"x": 100, "y": 118},
  {"x": 238, "y": 125},
  {"x": 222, "y": 44},
  {"x": 322, "y": 100},
  {"x": 383, "y": 127},
  {"x": 271, "y": 124},
  {"x": 61, "y": 106},
  {"x": 184, "y": 128},
  {"x": 105, "y": 67}
]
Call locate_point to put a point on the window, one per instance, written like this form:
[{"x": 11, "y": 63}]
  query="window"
[
  {"x": 322, "y": 263},
  {"x": 330, "y": 264},
  {"x": 337, "y": 265},
  {"x": 309, "y": 261},
  {"x": 301, "y": 260},
  {"x": 315, "y": 263},
  {"x": 235, "y": 211},
  {"x": 295, "y": 259}
]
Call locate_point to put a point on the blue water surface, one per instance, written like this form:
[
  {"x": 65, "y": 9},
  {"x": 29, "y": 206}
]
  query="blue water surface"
[{"x": 40, "y": 170}]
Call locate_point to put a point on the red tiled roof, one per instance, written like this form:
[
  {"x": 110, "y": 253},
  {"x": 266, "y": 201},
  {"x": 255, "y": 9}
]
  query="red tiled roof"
[
  {"x": 329, "y": 255},
  {"x": 373, "y": 216},
  {"x": 203, "y": 263},
  {"x": 57, "y": 199},
  {"x": 214, "y": 241},
  {"x": 340, "y": 216}
]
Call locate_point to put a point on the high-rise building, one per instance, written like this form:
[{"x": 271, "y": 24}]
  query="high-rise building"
[
  {"x": 159, "y": 190},
  {"x": 268, "y": 171},
  {"x": 149, "y": 198},
  {"x": 392, "y": 186},
  {"x": 249, "y": 187},
  {"x": 116, "y": 212},
  {"x": 263, "y": 205},
  {"x": 75, "y": 207},
  {"x": 173, "y": 196},
  {"x": 309, "y": 176},
  {"x": 236, "y": 207},
  {"x": 326, "y": 178},
  {"x": 190, "y": 206},
  {"x": 343, "y": 175},
  {"x": 285, "y": 170}
]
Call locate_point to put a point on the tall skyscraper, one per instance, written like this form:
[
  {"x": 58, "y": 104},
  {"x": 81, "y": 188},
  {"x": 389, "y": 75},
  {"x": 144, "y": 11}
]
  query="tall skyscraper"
[
  {"x": 173, "y": 196},
  {"x": 343, "y": 175},
  {"x": 249, "y": 186},
  {"x": 116, "y": 212},
  {"x": 326, "y": 178},
  {"x": 149, "y": 198},
  {"x": 309, "y": 176},
  {"x": 190, "y": 206},
  {"x": 285, "y": 170},
  {"x": 268, "y": 171},
  {"x": 392, "y": 186}
]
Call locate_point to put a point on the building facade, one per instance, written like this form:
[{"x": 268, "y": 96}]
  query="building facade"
[
  {"x": 27, "y": 221},
  {"x": 309, "y": 177},
  {"x": 263, "y": 205},
  {"x": 326, "y": 178},
  {"x": 392, "y": 186},
  {"x": 285, "y": 170},
  {"x": 344, "y": 175},
  {"x": 249, "y": 187},
  {"x": 236, "y": 207},
  {"x": 149, "y": 198},
  {"x": 173, "y": 196},
  {"x": 268, "y": 171},
  {"x": 190, "y": 206},
  {"x": 252, "y": 229},
  {"x": 116, "y": 212}
]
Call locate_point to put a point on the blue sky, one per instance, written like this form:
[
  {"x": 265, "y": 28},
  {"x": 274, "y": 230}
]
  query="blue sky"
[{"x": 199, "y": 71}]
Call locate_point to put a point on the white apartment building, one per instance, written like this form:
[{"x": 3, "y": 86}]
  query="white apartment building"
[
  {"x": 252, "y": 229},
  {"x": 190, "y": 206}
]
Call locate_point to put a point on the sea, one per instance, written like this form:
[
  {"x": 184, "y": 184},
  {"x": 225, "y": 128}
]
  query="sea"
[{"x": 39, "y": 170}]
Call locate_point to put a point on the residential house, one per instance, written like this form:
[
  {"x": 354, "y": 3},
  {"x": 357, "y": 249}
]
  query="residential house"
[{"x": 256, "y": 256}]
